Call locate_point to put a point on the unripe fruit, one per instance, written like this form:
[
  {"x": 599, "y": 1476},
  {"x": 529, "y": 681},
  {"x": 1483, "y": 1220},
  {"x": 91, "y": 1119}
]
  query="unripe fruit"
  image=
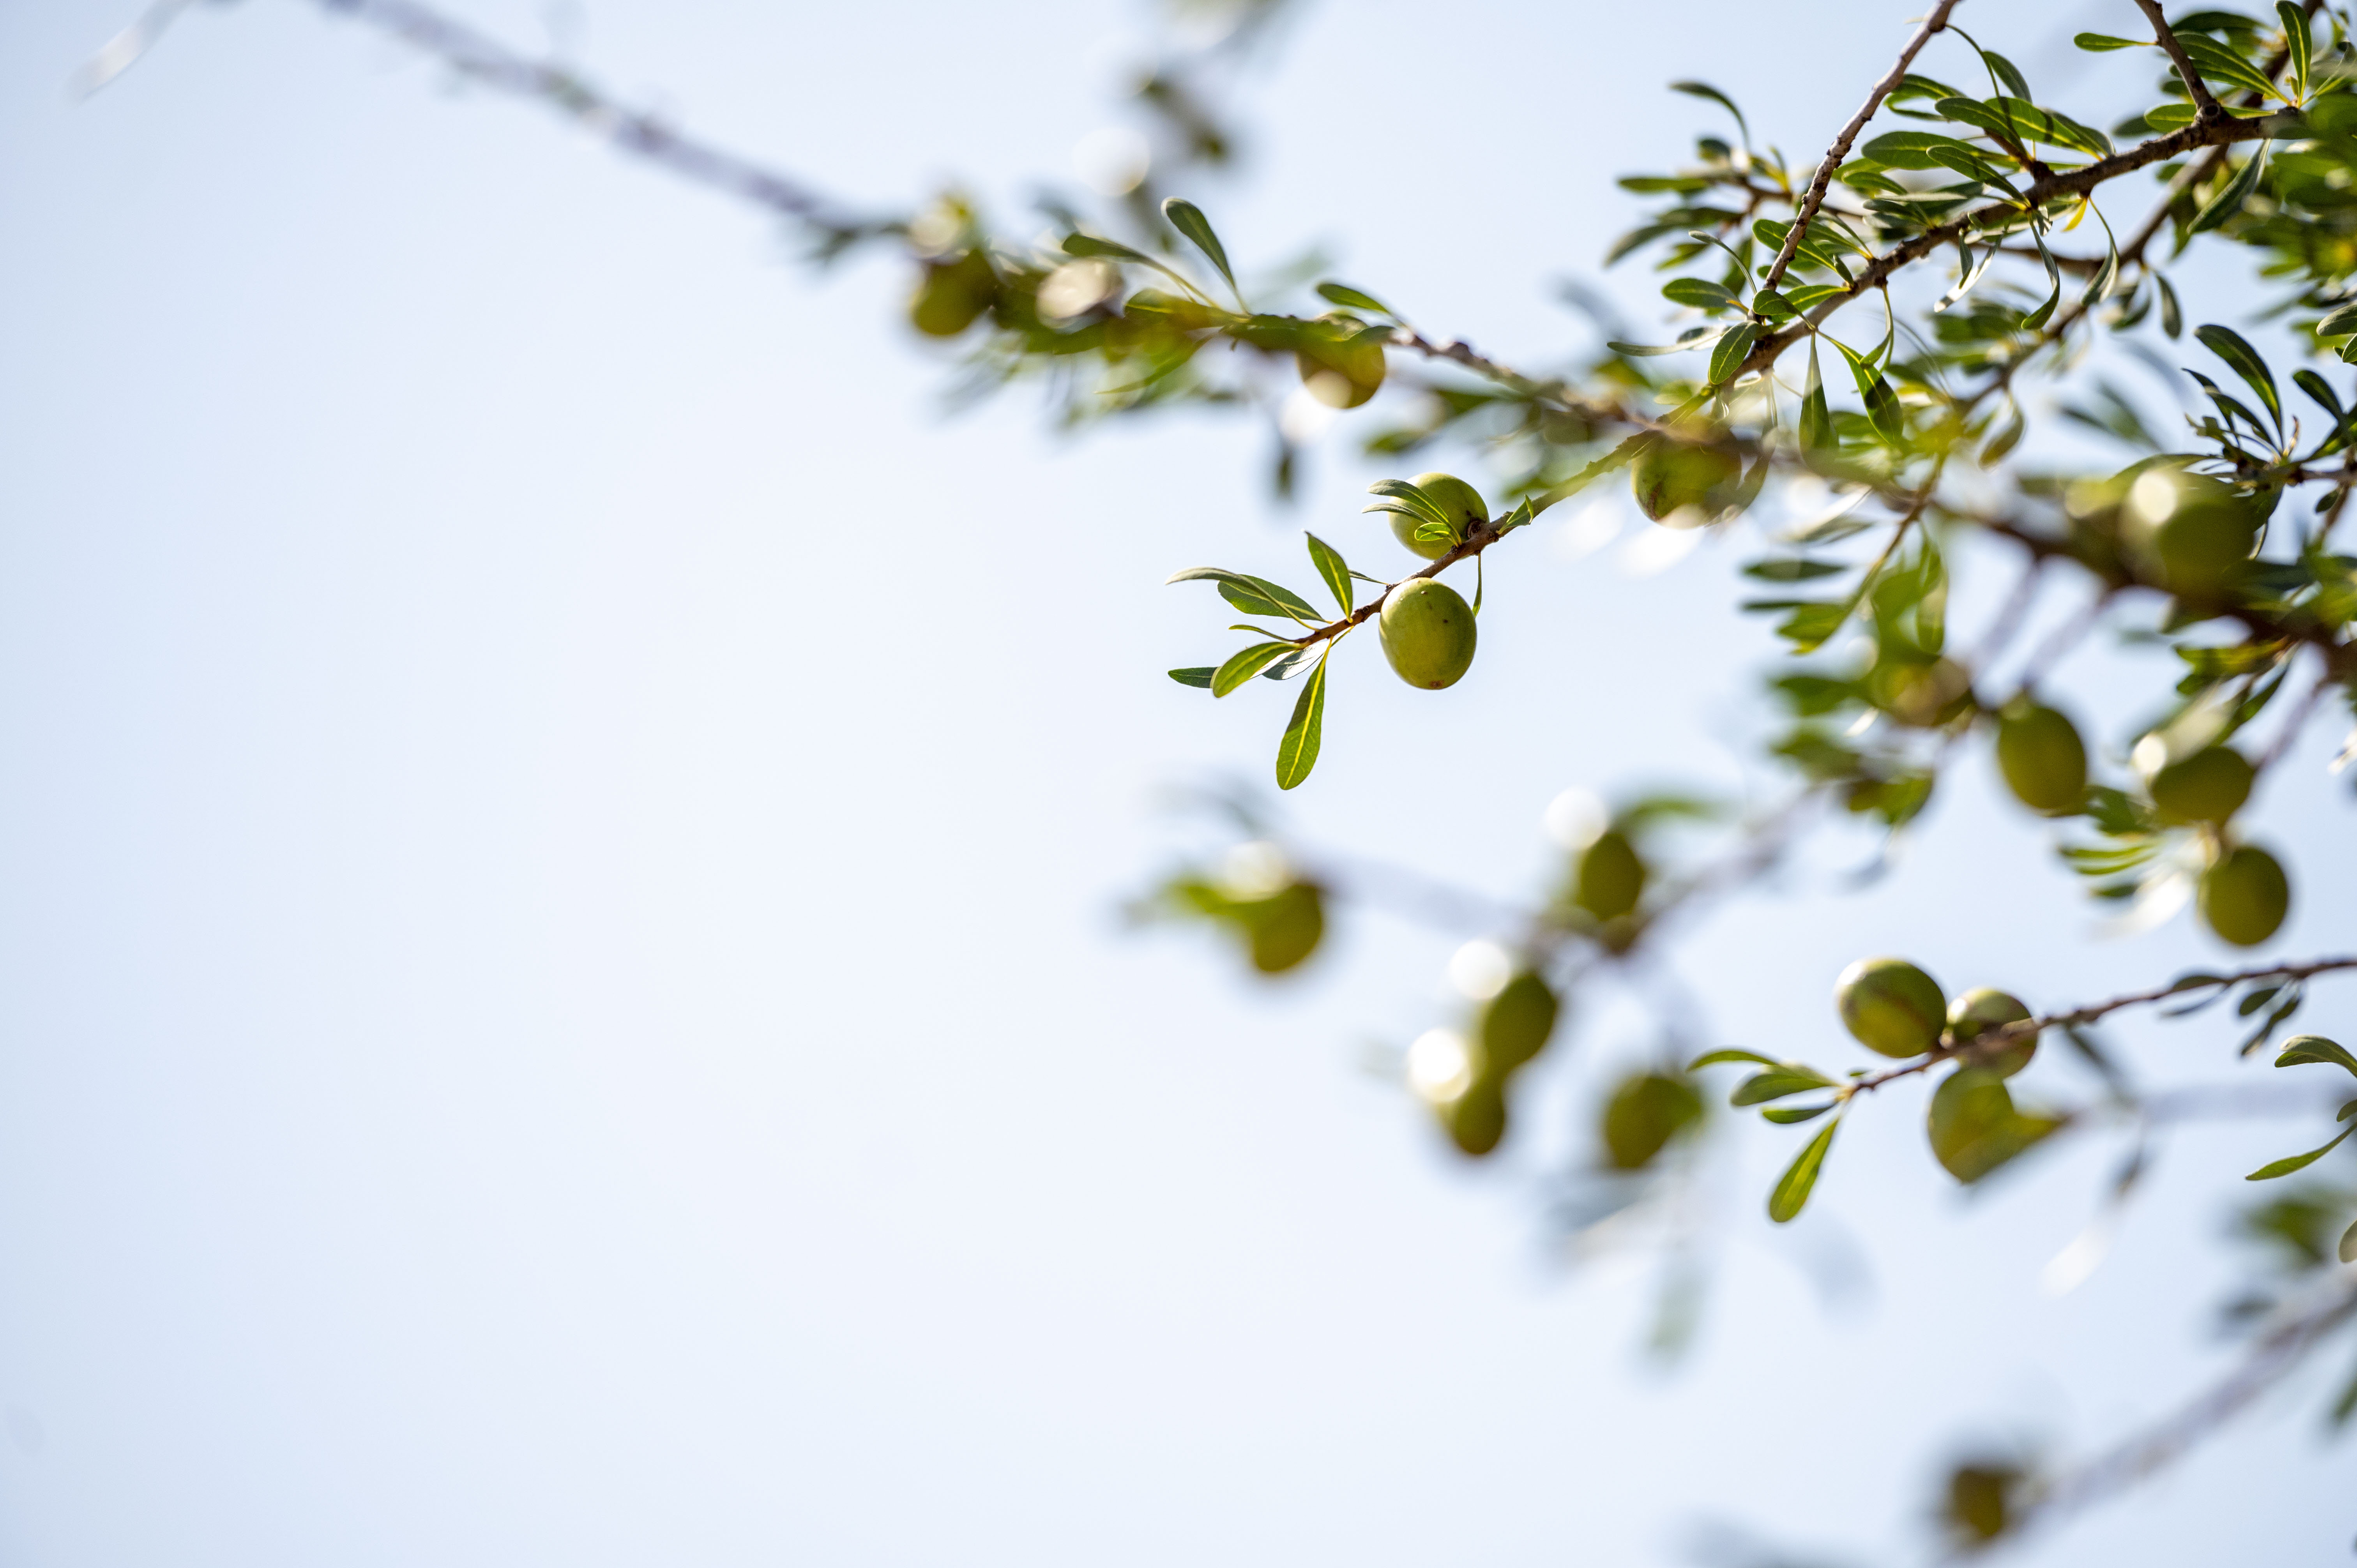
[
  {"x": 1918, "y": 693},
  {"x": 1643, "y": 1115},
  {"x": 1516, "y": 1024},
  {"x": 2208, "y": 786},
  {"x": 1286, "y": 928},
  {"x": 1983, "y": 1009},
  {"x": 1427, "y": 633},
  {"x": 2204, "y": 546},
  {"x": 1891, "y": 1006},
  {"x": 951, "y": 294},
  {"x": 1974, "y": 1126},
  {"x": 2042, "y": 759},
  {"x": 1476, "y": 1120},
  {"x": 1612, "y": 877},
  {"x": 1459, "y": 501},
  {"x": 1669, "y": 476},
  {"x": 1341, "y": 360},
  {"x": 2243, "y": 896}
]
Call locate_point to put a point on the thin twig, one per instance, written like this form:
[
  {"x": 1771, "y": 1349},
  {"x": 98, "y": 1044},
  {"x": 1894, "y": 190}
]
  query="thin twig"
[
  {"x": 1935, "y": 23},
  {"x": 2209, "y": 108}
]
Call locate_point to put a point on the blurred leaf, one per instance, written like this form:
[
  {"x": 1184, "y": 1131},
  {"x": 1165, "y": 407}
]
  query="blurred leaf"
[
  {"x": 1189, "y": 220},
  {"x": 1793, "y": 569},
  {"x": 1800, "y": 1179},
  {"x": 2283, "y": 1167},
  {"x": 1788, "y": 1115},
  {"x": 2349, "y": 1256},
  {"x": 1297, "y": 752},
  {"x": 1351, "y": 298},
  {"x": 1731, "y": 1054},
  {"x": 2228, "y": 201},
  {"x": 1243, "y": 665},
  {"x": 2172, "y": 316},
  {"x": 1776, "y": 1083},
  {"x": 1705, "y": 89}
]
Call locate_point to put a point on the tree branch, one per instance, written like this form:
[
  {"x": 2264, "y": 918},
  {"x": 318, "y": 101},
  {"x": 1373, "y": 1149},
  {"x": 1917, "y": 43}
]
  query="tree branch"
[
  {"x": 2209, "y": 108},
  {"x": 1936, "y": 22}
]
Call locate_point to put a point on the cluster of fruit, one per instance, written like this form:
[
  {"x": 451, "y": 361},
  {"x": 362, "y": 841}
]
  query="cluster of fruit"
[{"x": 1896, "y": 1010}]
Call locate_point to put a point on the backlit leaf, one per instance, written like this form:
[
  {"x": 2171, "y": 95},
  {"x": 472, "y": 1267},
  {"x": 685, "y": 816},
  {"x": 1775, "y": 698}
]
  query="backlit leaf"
[{"x": 1799, "y": 1178}]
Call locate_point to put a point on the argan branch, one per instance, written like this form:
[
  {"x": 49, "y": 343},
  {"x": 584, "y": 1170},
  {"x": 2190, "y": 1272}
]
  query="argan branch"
[{"x": 2209, "y": 108}]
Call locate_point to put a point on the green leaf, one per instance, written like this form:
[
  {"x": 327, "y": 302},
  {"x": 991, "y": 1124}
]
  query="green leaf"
[
  {"x": 1776, "y": 1083},
  {"x": 1816, "y": 415},
  {"x": 2283, "y": 1167},
  {"x": 1253, "y": 595},
  {"x": 1196, "y": 675},
  {"x": 2349, "y": 1256},
  {"x": 2246, "y": 362},
  {"x": 1334, "y": 570},
  {"x": 1243, "y": 665},
  {"x": 2172, "y": 316},
  {"x": 1787, "y": 1115},
  {"x": 2220, "y": 63},
  {"x": 2101, "y": 43},
  {"x": 1913, "y": 149},
  {"x": 2315, "y": 1050},
  {"x": 2297, "y": 43},
  {"x": 2167, "y": 117},
  {"x": 2005, "y": 440},
  {"x": 1793, "y": 569},
  {"x": 2340, "y": 322},
  {"x": 2227, "y": 202},
  {"x": 1418, "y": 504},
  {"x": 1700, "y": 293},
  {"x": 1189, "y": 220},
  {"x": 1791, "y": 1194},
  {"x": 1297, "y": 753},
  {"x": 1716, "y": 1059},
  {"x": 1705, "y": 89},
  {"x": 1882, "y": 408},
  {"x": 1351, "y": 298},
  {"x": 1809, "y": 625},
  {"x": 2005, "y": 71},
  {"x": 1727, "y": 358}
]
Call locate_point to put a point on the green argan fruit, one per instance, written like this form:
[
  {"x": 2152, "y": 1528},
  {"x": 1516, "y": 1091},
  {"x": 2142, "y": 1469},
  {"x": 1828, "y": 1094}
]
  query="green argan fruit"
[
  {"x": 1516, "y": 1024},
  {"x": 1612, "y": 877},
  {"x": 2042, "y": 759},
  {"x": 951, "y": 294},
  {"x": 1645, "y": 1113},
  {"x": 1891, "y": 1006},
  {"x": 1341, "y": 360},
  {"x": 2208, "y": 786},
  {"x": 1985, "y": 1008},
  {"x": 1980, "y": 1498},
  {"x": 1670, "y": 475},
  {"x": 1974, "y": 1127},
  {"x": 2243, "y": 896},
  {"x": 2205, "y": 544},
  {"x": 1284, "y": 928},
  {"x": 1458, "y": 500},
  {"x": 1427, "y": 633},
  {"x": 1919, "y": 692},
  {"x": 1476, "y": 1120}
]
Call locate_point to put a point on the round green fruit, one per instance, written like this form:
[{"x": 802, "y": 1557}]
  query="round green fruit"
[
  {"x": 1458, "y": 500},
  {"x": 1516, "y": 1024},
  {"x": 1891, "y": 1006},
  {"x": 1645, "y": 1113},
  {"x": 1670, "y": 475},
  {"x": 1612, "y": 877},
  {"x": 1983, "y": 1009},
  {"x": 1285, "y": 929},
  {"x": 2208, "y": 786},
  {"x": 2243, "y": 896},
  {"x": 951, "y": 294},
  {"x": 2042, "y": 759},
  {"x": 1341, "y": 360},
  {"x": 1427, "y": 633},
  {"x": 2204, "y": 546},
  {"x": 1476, "y": 1120}
]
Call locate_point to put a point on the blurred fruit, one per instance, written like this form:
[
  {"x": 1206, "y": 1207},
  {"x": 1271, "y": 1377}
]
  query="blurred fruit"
[
  {"x": 1285, "y": 929},
  {"x": 1341, "y": 360},
  {"x": 1670, "y": 475},
  {"x": 1612, "y": 877},
  {"x": 2208, "y": 786},
  {"x": 1983, "y": 1009},
  {"x": 1516, "y": 1024},
  {"x": 1476, "y": 1120},
  {"x": 2042, "y": 759},
  {"x": 1921, "y": 692},
  {"x": 2243, "y": 896},
  {"x": 951, "y": 293},
  {"x": 1974, "y": 1126},
  {"x": 1643, "y": 1115},
  {"x": 1891, "y": 1006},
  {"x": 1427, "y": 633}
]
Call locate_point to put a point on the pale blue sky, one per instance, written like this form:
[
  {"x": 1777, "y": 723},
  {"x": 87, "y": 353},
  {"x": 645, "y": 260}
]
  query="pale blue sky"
[{"x": 560, "y": 827}]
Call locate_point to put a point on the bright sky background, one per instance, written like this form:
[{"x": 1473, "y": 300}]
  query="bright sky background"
[{"x": 561, "y": 829}]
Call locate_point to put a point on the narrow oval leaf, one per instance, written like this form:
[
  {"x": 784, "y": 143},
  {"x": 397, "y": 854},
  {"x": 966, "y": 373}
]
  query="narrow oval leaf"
[
  {"x": 1297, "y": 752},
  {"x": 1716, "y": 1059},
  {"x": 1351, "y": 298},
  {"x": 1705, "y": 89},
  {"x": 1246, "y": 663},
  {"x": 2349, "y": 1246},
  {"x": 2099, "y": 43},
  {"x": 2283, "y": 1167},
  {"x": 1787, "y": 1115},
  {"x": 1194, "y": 675},
  {"x": 1189, "y": 220},
  {"x": 1727, "y": 358},
  {"x": 2172, "y": 314},
  {"x": 2302, "y": 1050},
  {"x": 1792, "y": 1189},
  {"x": 1776, "y": 1083},
  {"x": 2247, "y": 363},
  {"x": 2228, "y": 201},
  {"x": 1333, "y": 570}
]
